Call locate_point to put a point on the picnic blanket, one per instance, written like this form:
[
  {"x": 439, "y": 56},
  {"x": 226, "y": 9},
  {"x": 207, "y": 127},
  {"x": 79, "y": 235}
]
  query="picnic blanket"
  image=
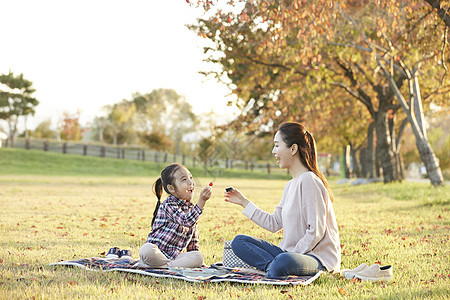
[{"x": 214, "y": 273}]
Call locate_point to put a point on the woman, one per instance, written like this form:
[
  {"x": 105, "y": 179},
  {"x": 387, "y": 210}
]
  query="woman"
[{"x": 305, "y": 213}]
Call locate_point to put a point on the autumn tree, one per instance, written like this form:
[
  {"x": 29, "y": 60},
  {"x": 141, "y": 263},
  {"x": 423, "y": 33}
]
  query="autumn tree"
[
  {"x": 16, "y": 100},
  {"x": 281, "y": 55},
  {"x": 275, "y": 81},
  {"x": 400, "y": 44},
  {"x": 121, "y": 117},
  {"x": 161, "y": 116},
  {"x": 43, "y": 130},
  {"x": 70, "y": 128},
  {"x": 99, "y": 124},
  {"x": 163, "y": 112},
  {"x": 156, "y": 140}
]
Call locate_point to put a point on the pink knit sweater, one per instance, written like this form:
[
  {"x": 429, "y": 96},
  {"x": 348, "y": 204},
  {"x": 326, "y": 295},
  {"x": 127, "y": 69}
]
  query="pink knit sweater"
[{"x": 306, "y": 215}]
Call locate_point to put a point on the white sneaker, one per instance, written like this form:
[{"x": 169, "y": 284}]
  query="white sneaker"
[
  {"x": 375, "y": 273},
  {"x": 113, "y": 253},
  {"x": 350, "y": 273}
]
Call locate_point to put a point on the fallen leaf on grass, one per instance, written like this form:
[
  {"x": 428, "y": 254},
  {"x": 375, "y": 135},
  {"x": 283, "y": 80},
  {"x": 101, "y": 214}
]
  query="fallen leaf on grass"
[
  {"x": 113, "y": 290},
  {"x": 342, "y": 291},
  {"x": 355, "y": 280},
  {"x": 72, "y": 282}
]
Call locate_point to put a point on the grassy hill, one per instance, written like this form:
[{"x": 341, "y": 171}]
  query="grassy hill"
[{"x": 15, "y": 161}]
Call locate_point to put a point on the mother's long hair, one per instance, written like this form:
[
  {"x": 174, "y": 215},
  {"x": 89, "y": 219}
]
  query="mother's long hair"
[{"x": 295, "y": 133}]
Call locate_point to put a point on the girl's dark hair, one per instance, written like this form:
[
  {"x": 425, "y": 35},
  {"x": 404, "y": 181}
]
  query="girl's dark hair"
[
  {"x": 167, "y": 177},
  {"x": 295, "y": 133}
]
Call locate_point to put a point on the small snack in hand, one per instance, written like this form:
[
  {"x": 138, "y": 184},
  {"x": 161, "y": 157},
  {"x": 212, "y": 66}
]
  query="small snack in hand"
[
  {"x": 211, "y": 184},
  {"x": 229, "y": 189}
]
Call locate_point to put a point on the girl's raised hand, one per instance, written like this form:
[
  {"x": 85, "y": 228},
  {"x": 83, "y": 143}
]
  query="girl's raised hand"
[
  {"x": 236, "y": 197},
  {"x": 205, "y": 194}
]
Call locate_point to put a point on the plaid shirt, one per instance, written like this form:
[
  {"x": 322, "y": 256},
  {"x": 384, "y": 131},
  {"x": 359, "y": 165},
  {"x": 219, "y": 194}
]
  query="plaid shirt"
[{"x": 175, "y": 227}]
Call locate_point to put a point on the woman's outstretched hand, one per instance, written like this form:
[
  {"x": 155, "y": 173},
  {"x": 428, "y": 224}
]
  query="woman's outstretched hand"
[{"x": 236, "y": 197}]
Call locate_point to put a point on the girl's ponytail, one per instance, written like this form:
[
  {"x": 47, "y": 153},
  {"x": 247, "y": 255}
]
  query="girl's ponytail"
[
  {"x": 167, "y": 177},
  {"x": 157, "y": 189}
]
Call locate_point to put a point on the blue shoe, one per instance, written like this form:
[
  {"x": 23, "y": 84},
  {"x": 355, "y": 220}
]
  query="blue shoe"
[
  {"x": 113, "y": 253},
  {"x": 126, "y": 254}
]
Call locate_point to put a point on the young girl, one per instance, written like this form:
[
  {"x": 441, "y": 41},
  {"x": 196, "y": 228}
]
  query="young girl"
[
  {"x": 174, "y": 224},
  {"x": 305, "y": 213}
]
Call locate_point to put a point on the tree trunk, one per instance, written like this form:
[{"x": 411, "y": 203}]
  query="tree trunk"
[
  {"x": 346, "y": 161},
  {"x": 115, "y": 136},
  {"x": 27, "y": 135},
  {"x": 100, "y": 134},
  {"x": 430, "y": 161},
  {"x": 370, "y": 152},
  {"x": 363, "y": 161},
  {"x": 205, "y": 168},
  {"x": 401, "y": 165},
  {"x": 385, "y": 154},
  {"x": 413, "y": 110},
  {"x": 394, "y": 146},
  {"x": 426, "y": 152},
  {"x": 12, "y": 131},
  {"x": 398, "y": 156},
  {"x": 355, "y": 162}
]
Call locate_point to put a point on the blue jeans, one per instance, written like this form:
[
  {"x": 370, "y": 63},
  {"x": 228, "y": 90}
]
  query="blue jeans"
[{"x": 276, "y": 262}]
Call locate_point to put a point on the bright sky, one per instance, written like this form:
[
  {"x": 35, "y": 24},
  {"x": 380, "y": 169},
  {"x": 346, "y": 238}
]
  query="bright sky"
[{"x": 86, "y": 54}]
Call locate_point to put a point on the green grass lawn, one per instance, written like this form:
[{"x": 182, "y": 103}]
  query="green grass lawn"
[
  {"x": 14, "y": 161},
  {"x": 46, "y": 218}
]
